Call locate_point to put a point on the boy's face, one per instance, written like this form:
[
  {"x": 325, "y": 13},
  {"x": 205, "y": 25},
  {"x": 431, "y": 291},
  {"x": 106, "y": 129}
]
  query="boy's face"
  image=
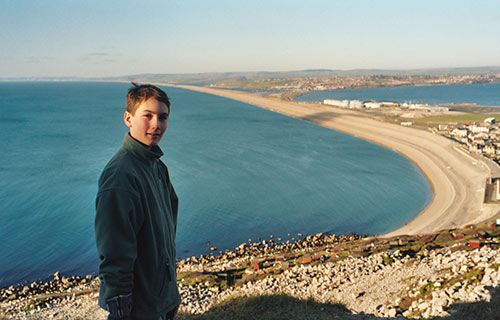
[{"x": 149, "y": 122}]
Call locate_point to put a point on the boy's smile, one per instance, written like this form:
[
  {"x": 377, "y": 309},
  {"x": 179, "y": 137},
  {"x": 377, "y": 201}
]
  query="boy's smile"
[{"x": 149, "y": 122}]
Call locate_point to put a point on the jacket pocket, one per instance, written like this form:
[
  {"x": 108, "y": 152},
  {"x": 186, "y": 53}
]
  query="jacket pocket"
[{"x": 165, "y": 276}]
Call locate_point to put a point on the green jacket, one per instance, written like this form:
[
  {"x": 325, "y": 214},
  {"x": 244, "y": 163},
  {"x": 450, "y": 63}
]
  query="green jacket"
[{"x": 135, "y": 226}]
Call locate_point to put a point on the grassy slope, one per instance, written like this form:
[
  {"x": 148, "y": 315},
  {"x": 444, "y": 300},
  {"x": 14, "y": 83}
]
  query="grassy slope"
[
  {"x": 255, "y": 84},
  {"x": 446, "y": 119}
]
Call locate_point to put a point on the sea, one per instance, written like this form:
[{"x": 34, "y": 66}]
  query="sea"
[
  {"x": 485, "y": 94},
  {"x": 242, "y": 174}
]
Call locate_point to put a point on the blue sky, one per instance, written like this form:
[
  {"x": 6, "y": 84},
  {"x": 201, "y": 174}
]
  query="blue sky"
[{"x": 119, "y": 37}]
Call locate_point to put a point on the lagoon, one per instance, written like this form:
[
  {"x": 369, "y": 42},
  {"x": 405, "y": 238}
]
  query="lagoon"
[{"x": 485, "y": 94}]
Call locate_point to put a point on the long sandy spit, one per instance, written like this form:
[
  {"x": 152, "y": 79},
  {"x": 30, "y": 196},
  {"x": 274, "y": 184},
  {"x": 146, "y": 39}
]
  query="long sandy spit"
[{"x": 457, "y": 179}]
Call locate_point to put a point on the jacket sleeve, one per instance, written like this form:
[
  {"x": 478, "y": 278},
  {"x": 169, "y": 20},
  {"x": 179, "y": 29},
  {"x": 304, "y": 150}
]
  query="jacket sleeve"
[
  {"x": 118, "y": 220},
  {"x": 174, "y": 200},
  {"x": 175, "y": 204}
]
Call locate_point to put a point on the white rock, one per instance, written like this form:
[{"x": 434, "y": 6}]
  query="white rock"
[
  {"x": 391, "y": 312},
  {"x": 423, "y": 306}
]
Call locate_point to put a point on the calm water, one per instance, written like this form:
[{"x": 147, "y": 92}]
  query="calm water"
[
  {"x": 241, "y": 172},
  {"x": 486, "y": 94}
]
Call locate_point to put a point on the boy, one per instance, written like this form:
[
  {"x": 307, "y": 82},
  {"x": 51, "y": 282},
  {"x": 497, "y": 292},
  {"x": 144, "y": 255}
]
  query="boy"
[{"x": 136, "y": 217}]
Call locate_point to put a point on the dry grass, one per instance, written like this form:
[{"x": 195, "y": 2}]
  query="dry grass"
[
  {"x": 478, "y": 310},
  {"x": 283, "y": 307},
  {"x": 274, "y": 307},
  {"x": 447, "y": 119}
]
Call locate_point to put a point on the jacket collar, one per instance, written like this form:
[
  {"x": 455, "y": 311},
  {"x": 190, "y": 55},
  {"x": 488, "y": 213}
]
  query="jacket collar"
[{"x": 141, "y": 150}]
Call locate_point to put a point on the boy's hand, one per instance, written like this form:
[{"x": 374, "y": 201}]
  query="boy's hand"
[{"x": 119, "y": 307}]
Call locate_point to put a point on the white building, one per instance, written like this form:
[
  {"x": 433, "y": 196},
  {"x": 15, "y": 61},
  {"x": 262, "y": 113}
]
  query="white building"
[
  {"x": 489, "y": 120},
  {"x": 459, "y": 132},
  {"x": 373, "y": 105},
  {"x": 481, "y": 136},
  {"x": 337, "y": 103},
  {"x": 419, "y": 106},
  {"x": 440, "y": 109},
  {"x": 355, "y": 104},
  {"x": 351, "y": 104},
  {"x": 489, "y": 149},
  {"x": 478, "y": 129}
]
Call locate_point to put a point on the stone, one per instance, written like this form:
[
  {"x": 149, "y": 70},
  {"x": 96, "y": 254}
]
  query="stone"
[
  {"x": 423, "y": 306},
  {"x": 391, "y": 312}
]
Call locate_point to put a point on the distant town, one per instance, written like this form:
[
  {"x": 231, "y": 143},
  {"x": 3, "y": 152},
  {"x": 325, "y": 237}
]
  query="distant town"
[
  {"x": 478, "y": 137},
  {"x": 306, "y": 84},
  {"x": 391, "y": 81}
]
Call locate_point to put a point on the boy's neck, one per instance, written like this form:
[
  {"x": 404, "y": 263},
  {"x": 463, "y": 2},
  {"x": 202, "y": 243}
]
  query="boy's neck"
[{"x": 145, "y": 146}]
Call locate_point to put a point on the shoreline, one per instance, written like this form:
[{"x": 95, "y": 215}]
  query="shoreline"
[
  {"x": 457, "y": 182},
  {"x": 402, "y": 276}
]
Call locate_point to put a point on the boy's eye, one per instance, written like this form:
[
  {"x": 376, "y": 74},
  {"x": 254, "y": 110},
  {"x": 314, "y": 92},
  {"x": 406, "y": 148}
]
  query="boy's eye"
[{"x": 148, "y": 116}]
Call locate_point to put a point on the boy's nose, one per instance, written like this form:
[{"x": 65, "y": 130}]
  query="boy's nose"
[{"x": 154, "y": 122}]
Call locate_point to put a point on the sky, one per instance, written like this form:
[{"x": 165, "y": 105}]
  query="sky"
[{"x": 91, "y": 38}]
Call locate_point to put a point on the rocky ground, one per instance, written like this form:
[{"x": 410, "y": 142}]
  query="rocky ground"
[{"x": 406, "y": 277}]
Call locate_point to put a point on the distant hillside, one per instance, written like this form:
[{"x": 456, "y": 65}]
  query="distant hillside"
[
  {"x": 209, "y": 77},
  {"x": 311, "y": 73}
]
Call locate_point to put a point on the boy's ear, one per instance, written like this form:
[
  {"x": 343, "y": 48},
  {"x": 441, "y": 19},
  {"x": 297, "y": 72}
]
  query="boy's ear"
[{"x": 126, "y": 119}]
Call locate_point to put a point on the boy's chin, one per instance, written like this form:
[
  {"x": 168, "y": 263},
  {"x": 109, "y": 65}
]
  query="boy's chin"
[{"x": 148, "y": 141}]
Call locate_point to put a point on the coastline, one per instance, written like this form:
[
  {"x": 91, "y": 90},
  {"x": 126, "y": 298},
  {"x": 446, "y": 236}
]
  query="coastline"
[
  {"x": 457, "y": 180},
  {"x": 409, "y": 276}
]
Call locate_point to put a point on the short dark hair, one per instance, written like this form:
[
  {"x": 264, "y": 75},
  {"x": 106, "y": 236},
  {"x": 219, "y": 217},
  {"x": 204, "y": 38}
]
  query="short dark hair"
[{"x": 138, "y": 94}]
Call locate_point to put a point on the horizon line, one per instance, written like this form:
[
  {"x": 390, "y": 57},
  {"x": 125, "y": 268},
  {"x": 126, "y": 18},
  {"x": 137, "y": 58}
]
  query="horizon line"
[{"x": 493, "y": 67}]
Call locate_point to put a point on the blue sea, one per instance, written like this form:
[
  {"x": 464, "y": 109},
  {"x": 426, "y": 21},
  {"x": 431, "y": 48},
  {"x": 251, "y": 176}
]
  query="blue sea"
[
  {"x": 241, "y": 172},
  {"x": 485, "y": 94}
]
